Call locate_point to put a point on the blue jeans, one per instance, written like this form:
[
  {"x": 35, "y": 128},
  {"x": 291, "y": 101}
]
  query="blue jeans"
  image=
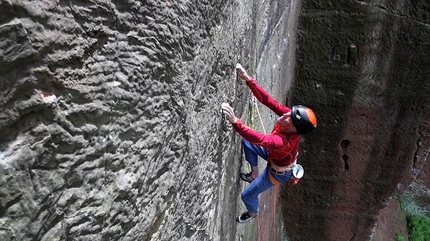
[{"x": 262, "y": 182}]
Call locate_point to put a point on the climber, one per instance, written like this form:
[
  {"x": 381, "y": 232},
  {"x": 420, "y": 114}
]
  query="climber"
[{"x": 279, "y": 148}]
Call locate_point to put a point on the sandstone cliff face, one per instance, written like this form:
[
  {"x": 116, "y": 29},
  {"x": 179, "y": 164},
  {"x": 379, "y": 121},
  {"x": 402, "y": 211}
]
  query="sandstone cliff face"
[
  {"x": 110, "y": 127},
  {"x": 363, "y": 65},
  {"x": 110, "y": 115}
]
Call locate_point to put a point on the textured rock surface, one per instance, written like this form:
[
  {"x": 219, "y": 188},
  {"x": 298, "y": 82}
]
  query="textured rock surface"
[
  {"x": 363, "y": 66},
  {"x": 110, "y": 122}
]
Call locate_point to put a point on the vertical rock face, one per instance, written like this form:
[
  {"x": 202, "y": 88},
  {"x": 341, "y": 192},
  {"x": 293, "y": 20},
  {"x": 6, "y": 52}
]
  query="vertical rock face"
[
  {"x": 363, "y": 65},
  {"x": 110, "y": 123}
]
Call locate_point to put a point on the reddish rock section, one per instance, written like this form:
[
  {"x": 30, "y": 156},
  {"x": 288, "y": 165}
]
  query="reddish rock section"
[
  {"x": 267, "y": 224},
  {"x": 422, "y": 163},
  {"x": 391, "y": 224}
]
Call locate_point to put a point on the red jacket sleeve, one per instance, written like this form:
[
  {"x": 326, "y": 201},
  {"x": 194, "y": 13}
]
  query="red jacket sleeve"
[
  {"x": 264, "y": 97},
  {"x": 270, "y": 141}
]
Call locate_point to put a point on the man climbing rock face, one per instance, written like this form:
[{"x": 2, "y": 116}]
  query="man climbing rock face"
[{"x": 279, "y": 148}]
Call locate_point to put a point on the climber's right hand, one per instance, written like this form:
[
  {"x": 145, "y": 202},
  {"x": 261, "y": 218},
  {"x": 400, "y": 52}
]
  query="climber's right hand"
[{"x": 242, "y": 72}]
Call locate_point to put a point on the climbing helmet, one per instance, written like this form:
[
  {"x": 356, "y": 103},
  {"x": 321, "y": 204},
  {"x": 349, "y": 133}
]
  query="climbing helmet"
[{"x": 304, "y": 119}]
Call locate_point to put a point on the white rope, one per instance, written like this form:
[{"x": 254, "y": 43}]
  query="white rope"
[{"x": 254, "y": 102}]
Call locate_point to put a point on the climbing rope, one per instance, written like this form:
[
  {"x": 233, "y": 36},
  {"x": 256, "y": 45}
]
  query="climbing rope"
[{"x": 254, "y": 103}]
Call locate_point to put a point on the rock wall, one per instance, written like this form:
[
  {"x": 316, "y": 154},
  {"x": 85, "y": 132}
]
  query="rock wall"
[
  {"x": 110, "y": 123},
  {"x": 110, "y": 114},
  {"x": 363, "y": 66}
]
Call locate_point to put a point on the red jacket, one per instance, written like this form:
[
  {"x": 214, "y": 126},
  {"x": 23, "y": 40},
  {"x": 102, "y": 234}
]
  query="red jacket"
[{"x": 282, "y": 146}]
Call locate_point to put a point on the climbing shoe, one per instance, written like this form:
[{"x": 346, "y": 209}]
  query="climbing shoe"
[
  {"x": 245, "y": 217},
  {"x": 246, "y": 177}
]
